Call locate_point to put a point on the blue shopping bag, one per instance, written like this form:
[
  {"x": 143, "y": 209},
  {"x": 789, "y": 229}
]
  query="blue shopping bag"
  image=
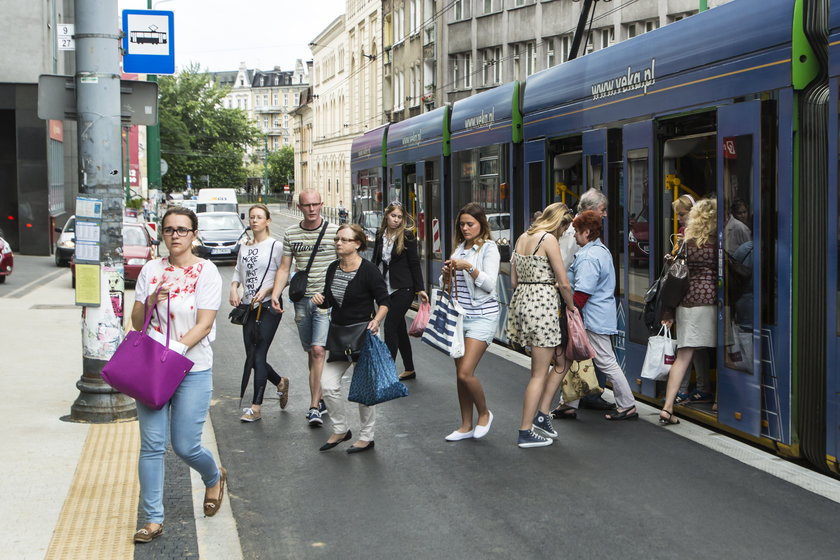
[{"x": 375, "y": 375}]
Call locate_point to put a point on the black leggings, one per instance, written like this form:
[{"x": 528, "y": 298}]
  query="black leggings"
[
  {"x": 263, "y": 372},
  {"x": 396, "y": 333}
]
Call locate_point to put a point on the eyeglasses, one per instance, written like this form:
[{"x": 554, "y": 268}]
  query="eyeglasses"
[
  {"x": 311, "y": 205},
  {"x": 181, "y": 231},
  {"x": 346, "y": 239}
]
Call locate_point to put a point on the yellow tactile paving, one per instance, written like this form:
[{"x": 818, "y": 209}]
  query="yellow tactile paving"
[{"x": 100, "y": 512}]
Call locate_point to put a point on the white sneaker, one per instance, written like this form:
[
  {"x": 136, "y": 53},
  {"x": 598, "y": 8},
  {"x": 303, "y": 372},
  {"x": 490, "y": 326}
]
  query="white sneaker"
[{"x": 481, "y": 431}]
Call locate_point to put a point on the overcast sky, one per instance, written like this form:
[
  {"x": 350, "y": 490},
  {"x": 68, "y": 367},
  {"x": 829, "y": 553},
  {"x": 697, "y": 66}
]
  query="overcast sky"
[{"x": 263, "y": 33}]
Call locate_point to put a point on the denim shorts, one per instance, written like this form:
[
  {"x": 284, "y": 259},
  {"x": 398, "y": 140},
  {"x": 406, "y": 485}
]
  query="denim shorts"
[
  {"x": 482, "y": 327},
  {"x": 313, "y": 324}
]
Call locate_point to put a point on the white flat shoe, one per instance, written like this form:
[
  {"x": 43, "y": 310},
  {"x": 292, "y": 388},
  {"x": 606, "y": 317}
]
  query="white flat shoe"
[
  {"x": 458, "y": 436},
  {"x": 481, "y": 431}
]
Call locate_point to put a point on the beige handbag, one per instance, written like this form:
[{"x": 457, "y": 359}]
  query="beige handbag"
[{"x": 580, "y": 381}]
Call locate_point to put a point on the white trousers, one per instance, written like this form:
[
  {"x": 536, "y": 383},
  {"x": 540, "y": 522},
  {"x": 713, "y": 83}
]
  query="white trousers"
[{"x": 336, "y": 404}]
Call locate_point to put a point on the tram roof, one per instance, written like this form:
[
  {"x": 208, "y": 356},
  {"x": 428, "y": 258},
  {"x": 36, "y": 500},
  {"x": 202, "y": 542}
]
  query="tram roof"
[
  {"x": 484, "y": 118},
  {"x": 621, "y": 78},
  {"x": 419, "y": 137},
  {"x": 369, "y": 149}
]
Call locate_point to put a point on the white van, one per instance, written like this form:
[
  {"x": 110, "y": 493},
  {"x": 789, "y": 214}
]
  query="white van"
[{"x": 217, "y": 200}]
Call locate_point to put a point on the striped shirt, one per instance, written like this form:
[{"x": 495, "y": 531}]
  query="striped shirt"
[
  {"x": 462, "y": 291},
  {"x": 339, "y": 284},
  {"x": 298, "y": 244}
]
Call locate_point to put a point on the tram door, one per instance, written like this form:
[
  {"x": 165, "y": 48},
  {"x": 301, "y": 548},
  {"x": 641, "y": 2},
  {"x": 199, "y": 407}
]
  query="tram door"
[
  {"x": 635, "y": 271},
  {"x": 739, "y": 351},
  {"x": 535, "y": 190}
]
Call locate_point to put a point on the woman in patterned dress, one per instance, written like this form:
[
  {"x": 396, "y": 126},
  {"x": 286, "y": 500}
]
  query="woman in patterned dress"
[
  {"x": 537, "y": 274},
  {"x": 697, "y": 313}
]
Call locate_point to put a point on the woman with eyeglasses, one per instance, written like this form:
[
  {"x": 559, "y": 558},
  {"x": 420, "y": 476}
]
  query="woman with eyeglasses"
[
  {"x": 474, "y": 268},
  {"x": 395, "y": 253},
  {"x": 256, "y": 266},
  {"x": 187, "y": 291},
  {"x": 352, "y": 290}
]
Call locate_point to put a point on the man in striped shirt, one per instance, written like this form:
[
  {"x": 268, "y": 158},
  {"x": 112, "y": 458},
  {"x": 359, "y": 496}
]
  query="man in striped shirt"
[{"x": 312, "y": 322}]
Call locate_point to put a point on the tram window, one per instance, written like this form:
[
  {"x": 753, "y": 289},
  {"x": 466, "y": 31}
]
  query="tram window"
[
  {"x": 480, "y": 173},
  {"x": 536, "y": 196},
  {"x": 637, "y": 241},
  {"x": 738, "y": 248},
  {"x": 367, "y": 200},
  {"x": 595, "y": 172},
  {"x": 567, "y": 172},
  {"x": 768, "y": 212}
]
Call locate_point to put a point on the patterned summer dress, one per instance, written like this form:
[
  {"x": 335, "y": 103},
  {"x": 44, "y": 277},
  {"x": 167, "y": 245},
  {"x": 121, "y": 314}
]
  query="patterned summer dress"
[{"x": 533, "y": 317}]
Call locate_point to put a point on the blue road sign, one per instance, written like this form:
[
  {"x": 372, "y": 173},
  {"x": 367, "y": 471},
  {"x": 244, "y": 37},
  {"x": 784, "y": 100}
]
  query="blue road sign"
[{"x": 149, "y": 43}]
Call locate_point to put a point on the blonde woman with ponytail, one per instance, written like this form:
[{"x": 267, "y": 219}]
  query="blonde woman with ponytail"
[
  {"x": 537, "y": 275},
  {"x": 395, "y": 255}
]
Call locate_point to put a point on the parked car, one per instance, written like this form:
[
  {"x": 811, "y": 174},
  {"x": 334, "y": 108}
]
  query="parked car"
[
  {"x": 138, "y": 249},
  {"x": 7, "y": 259},
  {"x": 219, "y": 236},
  {"x": 65, "y": 245}
]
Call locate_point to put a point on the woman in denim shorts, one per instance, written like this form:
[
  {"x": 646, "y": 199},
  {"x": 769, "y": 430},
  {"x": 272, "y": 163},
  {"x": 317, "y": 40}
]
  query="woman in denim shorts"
[{"x": 474, "y": 266}]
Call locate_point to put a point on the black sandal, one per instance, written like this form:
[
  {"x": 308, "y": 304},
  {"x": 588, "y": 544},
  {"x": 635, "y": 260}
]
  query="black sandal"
[
  {"x": 669, "y": 420},
  {"x": 564, "y": 412},
  {"x": 623, "y": 415}
]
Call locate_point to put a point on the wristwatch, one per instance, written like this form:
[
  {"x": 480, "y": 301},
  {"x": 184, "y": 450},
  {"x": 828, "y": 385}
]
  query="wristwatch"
[{"x": 470, "y": 270}]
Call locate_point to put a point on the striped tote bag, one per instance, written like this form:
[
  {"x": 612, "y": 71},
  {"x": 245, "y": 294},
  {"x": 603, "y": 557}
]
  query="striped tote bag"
[{"x": 445, "y": 329}]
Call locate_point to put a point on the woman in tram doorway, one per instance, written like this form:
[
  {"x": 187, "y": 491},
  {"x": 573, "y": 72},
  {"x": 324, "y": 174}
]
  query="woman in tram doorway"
[
  {"x": 701, "y": 394},
  {"x": 696, "y": 316},
  {"x": 395, "y": 253},
  {"x": 537, "y": 274},
  {"x": 188, "y": 291},
  {"x": 592, "y": 276},
  {"x": 475, "y": 268},
  {"x": 256, "y": 266}
]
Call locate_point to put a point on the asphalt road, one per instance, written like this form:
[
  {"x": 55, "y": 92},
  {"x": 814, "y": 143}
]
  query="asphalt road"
[{"x": 603, "y": 490}]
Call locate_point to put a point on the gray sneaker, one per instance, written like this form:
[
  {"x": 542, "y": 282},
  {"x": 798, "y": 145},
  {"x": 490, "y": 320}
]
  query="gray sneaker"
[
  {"x": 542, "y": 422},
  {"x": 527, "y": 438}
]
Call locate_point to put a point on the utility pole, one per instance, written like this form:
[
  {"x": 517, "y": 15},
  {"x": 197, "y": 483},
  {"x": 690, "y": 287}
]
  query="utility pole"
[
  {"x": 265, "y": 168},
  {"x": 98, "y": 108}
]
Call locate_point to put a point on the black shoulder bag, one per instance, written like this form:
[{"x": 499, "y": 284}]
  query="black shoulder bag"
[
  {"x": 239, "y": 314},
  {"x": 297, "y": 286}
]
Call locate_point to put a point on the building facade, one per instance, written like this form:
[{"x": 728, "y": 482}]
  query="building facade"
[{"x": 38, "y": 168}]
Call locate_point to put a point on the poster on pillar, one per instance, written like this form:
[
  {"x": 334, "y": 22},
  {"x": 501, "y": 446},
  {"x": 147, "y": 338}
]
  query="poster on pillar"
[{"x": 149, "y": 43}]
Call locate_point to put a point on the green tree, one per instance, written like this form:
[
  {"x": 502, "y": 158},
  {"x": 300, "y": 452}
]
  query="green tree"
[
  {"x": 281, "y": 168},
  {"x": 199, "y": 136}
]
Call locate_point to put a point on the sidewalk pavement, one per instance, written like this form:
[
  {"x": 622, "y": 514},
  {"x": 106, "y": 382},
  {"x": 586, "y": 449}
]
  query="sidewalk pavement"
[{"x": 71, "y": 489}]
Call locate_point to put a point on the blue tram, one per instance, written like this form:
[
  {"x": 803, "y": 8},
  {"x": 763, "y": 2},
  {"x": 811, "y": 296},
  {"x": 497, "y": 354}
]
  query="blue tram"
[{"x": 732, "y": 103}]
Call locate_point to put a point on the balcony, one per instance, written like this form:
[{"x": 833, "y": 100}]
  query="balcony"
[
  {"x": 269, "y": 109},
  {"x": 429, "y": 51}
]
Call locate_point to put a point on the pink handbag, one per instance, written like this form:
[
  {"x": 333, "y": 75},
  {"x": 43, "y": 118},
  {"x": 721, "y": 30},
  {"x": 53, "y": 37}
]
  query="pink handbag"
[
  {"x": 578, "y": 347},
  {"x": 145, "y": 369},
  {"x": 418, "y": 325}
]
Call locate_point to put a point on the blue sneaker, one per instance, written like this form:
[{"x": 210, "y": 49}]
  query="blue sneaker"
[
  {"x": 527, "y": 438},
  {"x": 322, "y": 407},
  {"x": 314, "y": 418},
  {"x": 542, "y": 422}
]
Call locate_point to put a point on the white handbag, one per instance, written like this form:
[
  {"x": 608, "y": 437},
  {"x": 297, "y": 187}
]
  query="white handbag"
[
  {"x": 445, "y": 329},
  {"x": 660, "y": 355}
]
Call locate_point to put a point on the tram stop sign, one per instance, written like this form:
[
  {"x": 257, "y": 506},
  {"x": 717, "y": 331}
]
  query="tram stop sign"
[{"x": 149, "y": 44}]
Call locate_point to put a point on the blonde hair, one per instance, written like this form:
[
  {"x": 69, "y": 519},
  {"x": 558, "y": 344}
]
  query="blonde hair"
[
  {"x": 554, "y": 218},
  {"x": 702, "y": 222},
  {"x": 264, "y": 208},
  {"x": 407, "y": 224},
  {"x": 684, "y": 202}
]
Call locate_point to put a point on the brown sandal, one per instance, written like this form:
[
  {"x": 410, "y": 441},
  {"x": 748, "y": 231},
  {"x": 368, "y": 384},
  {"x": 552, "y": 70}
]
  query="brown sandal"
[
  {"x": 145, "y": 534},
  {"x": 211, "y": 506}
]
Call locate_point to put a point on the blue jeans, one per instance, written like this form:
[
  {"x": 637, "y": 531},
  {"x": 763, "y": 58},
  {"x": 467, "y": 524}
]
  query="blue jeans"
[
  {"x": 313, "y": 324},
  {"x": 183, "y": 416}
]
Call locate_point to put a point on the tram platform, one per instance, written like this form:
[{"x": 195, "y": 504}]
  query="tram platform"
[{"x": 604, "y": 489}]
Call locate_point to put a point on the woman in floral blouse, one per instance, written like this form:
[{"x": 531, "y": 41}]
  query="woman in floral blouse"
[{"x": 697, "y": 313}]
